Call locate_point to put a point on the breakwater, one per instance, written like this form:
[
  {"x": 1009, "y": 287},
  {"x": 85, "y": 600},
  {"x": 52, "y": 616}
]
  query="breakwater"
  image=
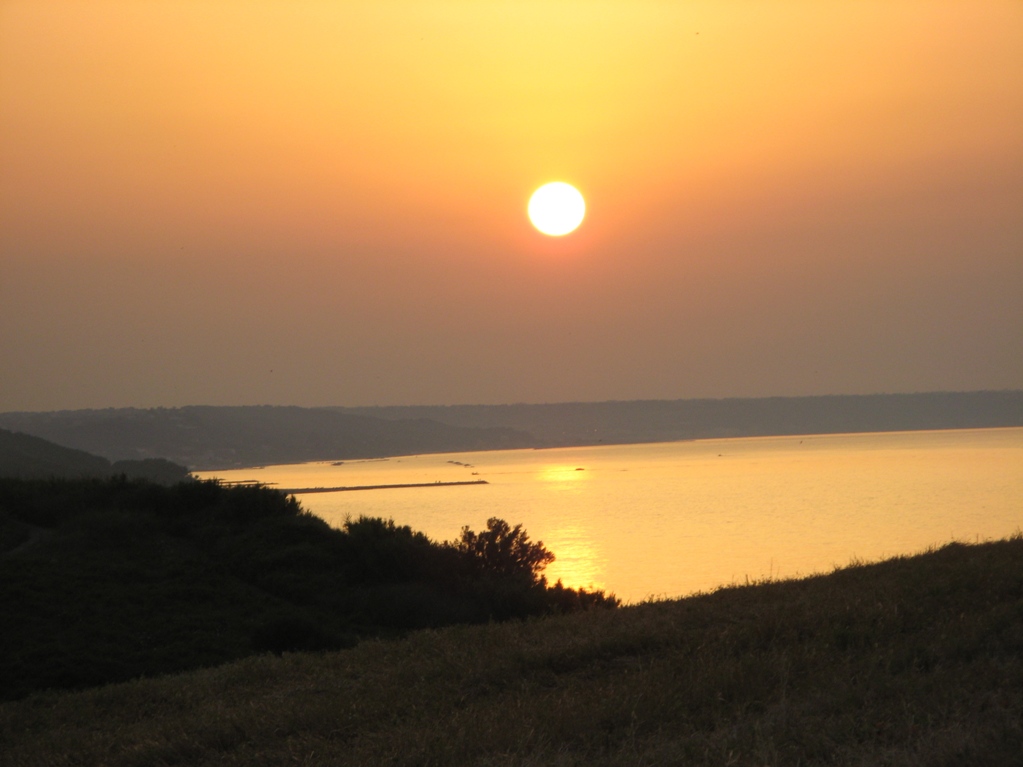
[{"x": 304, "y": 490}]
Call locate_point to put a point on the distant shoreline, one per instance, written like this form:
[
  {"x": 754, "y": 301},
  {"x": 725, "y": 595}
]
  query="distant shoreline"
[
  {"x": 210, "y": 438},
  {"x": 810, "y": 435}
]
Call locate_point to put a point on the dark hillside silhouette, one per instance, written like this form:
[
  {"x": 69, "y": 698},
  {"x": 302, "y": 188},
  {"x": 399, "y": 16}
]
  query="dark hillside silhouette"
[
  {"x": 28, "y": 457},
  {"x": 591, "y": 423},
  {"x": 106, "y": 580},
  {"x": 226, "y": 437}
]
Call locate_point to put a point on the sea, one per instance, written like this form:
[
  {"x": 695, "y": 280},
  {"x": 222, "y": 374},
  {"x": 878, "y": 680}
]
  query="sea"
[{"x": 663, "y": 520}]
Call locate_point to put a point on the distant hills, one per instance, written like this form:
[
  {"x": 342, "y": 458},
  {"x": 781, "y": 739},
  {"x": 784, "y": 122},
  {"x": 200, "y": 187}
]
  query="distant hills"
[
  {"x": 668, "y": 420},
  {"x": 225, "y": 437},
  {"x": 589, "y": 423},
  {"x": 26, "y": 457}
]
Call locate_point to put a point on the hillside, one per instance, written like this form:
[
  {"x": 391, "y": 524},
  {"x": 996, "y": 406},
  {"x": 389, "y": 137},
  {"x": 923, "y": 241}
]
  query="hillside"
[
  {"x": 226, "y": 437},
  {"x": 28, "y": 457},
  {"x": 591, "y": 423},
  {"x": 914, "y": 661},
  {"x": 106, "y": 580}
]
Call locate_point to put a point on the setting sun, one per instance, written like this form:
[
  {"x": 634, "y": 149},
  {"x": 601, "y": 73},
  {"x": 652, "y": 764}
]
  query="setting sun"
[{"x": 557, "y": 208}]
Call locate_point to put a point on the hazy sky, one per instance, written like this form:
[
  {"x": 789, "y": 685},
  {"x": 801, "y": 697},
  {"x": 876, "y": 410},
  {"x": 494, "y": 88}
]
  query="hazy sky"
[{"x": 310, "y": 203}]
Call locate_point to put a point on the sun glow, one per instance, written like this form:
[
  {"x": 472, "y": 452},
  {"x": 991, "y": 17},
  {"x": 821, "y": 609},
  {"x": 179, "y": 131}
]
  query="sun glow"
[
  {"x": 557, "y": 208},
  {"x": 563, "y": 475}
]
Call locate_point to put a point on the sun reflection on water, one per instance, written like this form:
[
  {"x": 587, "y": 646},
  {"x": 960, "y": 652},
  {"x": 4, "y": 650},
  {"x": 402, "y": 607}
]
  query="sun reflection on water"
[
  {"x": 580, "y": 560},
  {"x": 563, "y": 477},
  {"x": 669, "y": 519}
]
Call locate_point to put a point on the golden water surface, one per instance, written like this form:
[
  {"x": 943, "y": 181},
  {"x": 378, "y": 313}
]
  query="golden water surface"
[{"x": 668, "y": 519}]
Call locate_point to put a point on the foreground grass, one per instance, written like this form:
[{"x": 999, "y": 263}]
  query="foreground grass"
[{"x": 911, "y": 661}]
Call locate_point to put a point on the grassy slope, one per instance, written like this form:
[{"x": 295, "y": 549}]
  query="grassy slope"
[{"x": 911, "y": 661}]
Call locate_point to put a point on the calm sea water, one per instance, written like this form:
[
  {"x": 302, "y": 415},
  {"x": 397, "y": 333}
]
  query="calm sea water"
[{"x": 668, "y": 519}]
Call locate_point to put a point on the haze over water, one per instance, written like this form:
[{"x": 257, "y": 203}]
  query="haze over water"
[
  {"x": 304, "y": 203},
  {"x": 668, "y": 519}
]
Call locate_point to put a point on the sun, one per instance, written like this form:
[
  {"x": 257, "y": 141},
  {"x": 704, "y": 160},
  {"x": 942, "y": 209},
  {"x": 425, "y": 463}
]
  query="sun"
[{"x": 557, "y": 208}]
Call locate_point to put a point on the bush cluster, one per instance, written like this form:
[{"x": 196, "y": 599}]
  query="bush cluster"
[{"x": 105, "y": 580}]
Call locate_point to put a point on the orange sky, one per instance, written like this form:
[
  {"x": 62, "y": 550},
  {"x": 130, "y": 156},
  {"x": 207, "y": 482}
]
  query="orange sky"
[{"x": 324, "y": 202}]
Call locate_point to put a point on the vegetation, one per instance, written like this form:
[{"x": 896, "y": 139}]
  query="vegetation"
[
  {"x": 107, "y": 580},
  {"x": 914, "y": 661},
  {"x": 505, "y": 550}
]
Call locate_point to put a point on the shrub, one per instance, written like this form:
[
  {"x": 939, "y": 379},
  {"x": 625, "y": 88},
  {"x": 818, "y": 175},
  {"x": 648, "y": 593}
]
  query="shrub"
[
  {"x": 133, "y": 578},
  {"x": 505, "y": 551}
]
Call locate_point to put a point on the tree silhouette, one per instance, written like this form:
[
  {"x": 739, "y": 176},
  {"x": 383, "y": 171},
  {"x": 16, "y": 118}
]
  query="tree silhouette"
[{"x": 505, "y": 550}]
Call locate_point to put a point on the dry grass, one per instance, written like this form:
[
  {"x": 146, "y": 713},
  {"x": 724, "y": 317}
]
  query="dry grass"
[{"x": 915, "y": 661}]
